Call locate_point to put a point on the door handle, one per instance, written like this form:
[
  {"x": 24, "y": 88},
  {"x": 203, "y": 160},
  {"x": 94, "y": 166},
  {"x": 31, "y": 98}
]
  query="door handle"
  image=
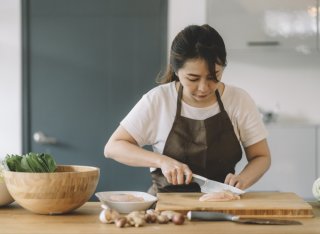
[{"x": 41, "y": 138}]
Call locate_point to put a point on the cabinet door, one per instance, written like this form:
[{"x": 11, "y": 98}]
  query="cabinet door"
[
  {"x": 293, "y": 167},
  {"x": 87, "y": 64},
  {"x": 273, "y": 24}
]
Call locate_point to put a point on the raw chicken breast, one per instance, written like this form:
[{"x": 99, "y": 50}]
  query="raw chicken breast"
[
  {"x": 125, "y": 198},
  {"x": 224, "y": 195}
]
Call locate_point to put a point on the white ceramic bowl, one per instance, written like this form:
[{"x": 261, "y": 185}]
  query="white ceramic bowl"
[
  {"x": 126, "y": 207},
  {"x": 5, "y": 197}
]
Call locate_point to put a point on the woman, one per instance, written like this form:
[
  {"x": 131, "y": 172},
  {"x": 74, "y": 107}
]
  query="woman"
[{"x": 194, "y": 122}]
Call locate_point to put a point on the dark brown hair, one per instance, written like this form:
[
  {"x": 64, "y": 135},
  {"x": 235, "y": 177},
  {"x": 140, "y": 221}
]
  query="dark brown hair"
[{"x": 193, "y": 42}]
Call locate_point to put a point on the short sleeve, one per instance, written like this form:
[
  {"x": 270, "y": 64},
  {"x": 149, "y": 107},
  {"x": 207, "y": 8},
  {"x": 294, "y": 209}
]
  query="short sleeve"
[
  {"x": 138, "y": 121},
  {"x": 250, "y": 124}
]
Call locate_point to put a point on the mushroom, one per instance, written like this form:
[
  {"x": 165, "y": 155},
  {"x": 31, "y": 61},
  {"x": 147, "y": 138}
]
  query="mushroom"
[
  {"x": 121, "y": 222},
  {"x": 162, "y": 219},
  {"x": 136, "y": 218},
  {"x": 178, "y": 219},
  {"x": 169, "y": 214}
]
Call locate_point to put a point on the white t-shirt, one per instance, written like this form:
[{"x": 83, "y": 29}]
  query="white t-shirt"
[{"x": 151, "y": 119}]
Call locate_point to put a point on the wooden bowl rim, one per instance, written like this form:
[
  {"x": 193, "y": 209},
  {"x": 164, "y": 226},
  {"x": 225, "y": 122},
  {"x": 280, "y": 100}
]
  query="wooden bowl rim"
[{"x": 89, "y": 169}]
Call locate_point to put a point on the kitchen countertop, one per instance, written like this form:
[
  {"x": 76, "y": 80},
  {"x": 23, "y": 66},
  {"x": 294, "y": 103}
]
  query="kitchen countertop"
[{"x": 15, "y": 220}]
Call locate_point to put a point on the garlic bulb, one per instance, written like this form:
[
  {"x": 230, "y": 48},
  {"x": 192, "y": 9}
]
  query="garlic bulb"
[
  {"x": 108, "y": 215},
  {"x": 316, "y": 189}
]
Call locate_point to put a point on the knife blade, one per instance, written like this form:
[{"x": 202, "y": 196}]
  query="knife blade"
[
  {"x": 217, "y": 216},
  {"x": 211, "y": 186}
]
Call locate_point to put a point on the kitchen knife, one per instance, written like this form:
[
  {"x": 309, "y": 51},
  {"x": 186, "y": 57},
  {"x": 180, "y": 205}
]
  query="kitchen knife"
[
  {"x": 211, "y": 186},
  {"x": 217, "y": 216}
]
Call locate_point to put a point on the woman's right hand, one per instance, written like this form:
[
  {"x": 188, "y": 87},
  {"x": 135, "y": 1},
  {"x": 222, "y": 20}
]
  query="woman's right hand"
[{"x": 175, "y": 171}]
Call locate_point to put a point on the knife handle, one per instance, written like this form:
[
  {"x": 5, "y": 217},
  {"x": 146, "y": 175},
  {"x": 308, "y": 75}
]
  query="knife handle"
[{"x": 210, "y": 216}]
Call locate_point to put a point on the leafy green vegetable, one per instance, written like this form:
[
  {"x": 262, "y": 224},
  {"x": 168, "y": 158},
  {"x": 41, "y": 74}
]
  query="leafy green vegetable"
[
  {"x": 13, "y": 162},
  {"x": 31, "y": 162},
  {"x": 42, "y": 163},
  {"x": 49, "y": 161}
]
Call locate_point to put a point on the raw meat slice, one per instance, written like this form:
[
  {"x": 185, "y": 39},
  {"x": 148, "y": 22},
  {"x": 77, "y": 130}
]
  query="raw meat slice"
[
  {"x": 125, "y": 198},
  {"x": 224, "y": 195}
]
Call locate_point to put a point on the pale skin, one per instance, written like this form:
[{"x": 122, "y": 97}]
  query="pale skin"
[{"x": 198, "y": 91}]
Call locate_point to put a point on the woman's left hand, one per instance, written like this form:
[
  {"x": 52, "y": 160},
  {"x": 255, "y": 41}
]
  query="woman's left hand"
[
  {"x": 259, "y": 160},
  {"x": 235, "y": 180}
]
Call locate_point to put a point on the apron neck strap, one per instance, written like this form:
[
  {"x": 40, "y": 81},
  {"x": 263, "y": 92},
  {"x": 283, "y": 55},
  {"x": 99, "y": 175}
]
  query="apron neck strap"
[
  {"x": 221, "y": 106},
  {"x": 179, "y": 100}
]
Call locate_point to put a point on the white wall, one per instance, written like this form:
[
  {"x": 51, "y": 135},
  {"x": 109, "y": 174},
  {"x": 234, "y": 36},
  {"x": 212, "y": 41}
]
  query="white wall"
[
  {"x": 10, "y": 77},
  {"x": 182, "y": 13},
  {"x": 286, "y": 82}
]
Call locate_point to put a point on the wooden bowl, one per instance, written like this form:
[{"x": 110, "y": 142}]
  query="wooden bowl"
[
  {"x": 5, "y": 197},
  {"x": 62, "y": 191}
]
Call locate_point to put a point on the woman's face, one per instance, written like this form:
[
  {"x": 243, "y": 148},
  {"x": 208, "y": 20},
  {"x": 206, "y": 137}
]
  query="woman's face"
[{"x": 198, "y": 86}]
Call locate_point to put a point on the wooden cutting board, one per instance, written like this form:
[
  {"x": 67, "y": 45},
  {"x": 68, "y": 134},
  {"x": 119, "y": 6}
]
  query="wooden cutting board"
[{"x": 251, "y": 204}]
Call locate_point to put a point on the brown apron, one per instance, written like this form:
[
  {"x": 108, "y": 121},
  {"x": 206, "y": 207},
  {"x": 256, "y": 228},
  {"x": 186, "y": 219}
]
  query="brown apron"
[{"x": 209, "y": 147}]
